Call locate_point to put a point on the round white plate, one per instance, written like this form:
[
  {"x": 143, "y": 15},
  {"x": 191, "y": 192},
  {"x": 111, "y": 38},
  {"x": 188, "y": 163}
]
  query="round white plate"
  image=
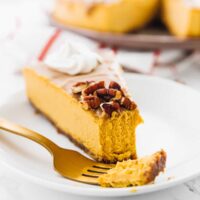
[{"x": 171, "y": 112}]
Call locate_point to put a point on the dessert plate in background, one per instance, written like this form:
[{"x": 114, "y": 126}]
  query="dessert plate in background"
[
  {"x": 149, "y": 38},
  {"x": 171, "y": 114}
]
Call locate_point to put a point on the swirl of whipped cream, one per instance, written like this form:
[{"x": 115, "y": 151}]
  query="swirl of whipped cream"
[{"x": 73, "y": 59}]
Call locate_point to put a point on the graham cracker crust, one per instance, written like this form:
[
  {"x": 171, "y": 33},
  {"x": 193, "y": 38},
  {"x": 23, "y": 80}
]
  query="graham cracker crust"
[{"x": 158, "y": 166}]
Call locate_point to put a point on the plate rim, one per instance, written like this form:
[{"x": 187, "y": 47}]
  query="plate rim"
[{"x": 104, "y": 192}]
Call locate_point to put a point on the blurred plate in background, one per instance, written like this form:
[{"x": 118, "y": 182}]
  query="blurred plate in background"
[{"x": 149, "y": 38}]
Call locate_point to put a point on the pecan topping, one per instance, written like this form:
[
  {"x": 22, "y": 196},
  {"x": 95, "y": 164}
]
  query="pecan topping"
[
  {"x": 78, "y": 87},
  {"x": 114, "y": 85},
  {"x": 110, "y": 107},
  {"x": 108, "y": 94},
  {"x": 127, "y": 103},
  {"x": 91, "y": 102},
  {"x": 94, "y": 95},
  {"x": 93, "y": 87},
  {"x": 118, "y": 95}
]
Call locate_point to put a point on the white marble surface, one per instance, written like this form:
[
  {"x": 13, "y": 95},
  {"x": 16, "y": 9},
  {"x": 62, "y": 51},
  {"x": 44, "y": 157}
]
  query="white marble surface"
[{"x": 12, "y": 187}]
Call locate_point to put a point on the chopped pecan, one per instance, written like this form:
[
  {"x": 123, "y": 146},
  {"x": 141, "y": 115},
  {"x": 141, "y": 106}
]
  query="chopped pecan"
[
  {"x": 127, "y": 103},
  {"x": 101, "y": 92},
  {"x": 108, "y": 94},
  {"x": 118, "y": 95},
  {"x": 93, "y": 87},
  {"x": 114, "y": 85},
  {"x": 94, "y": 95},
  {"x": 112, "y": 92},
  {"x": 78, "y": 87},
  {"x": 110, "y": 107},
  {"x": 91, "y": 102}
]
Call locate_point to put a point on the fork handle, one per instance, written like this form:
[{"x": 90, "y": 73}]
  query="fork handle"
[{"x": 32, "y": 135}]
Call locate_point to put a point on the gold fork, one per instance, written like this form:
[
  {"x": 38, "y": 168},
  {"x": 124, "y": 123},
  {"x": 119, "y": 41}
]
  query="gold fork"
[{"x": 67, "y": 163}]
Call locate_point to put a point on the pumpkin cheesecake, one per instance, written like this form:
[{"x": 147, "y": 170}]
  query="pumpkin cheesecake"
[
  {"x": 182, "y": 17},
  {"x": 135, "y": 172},
  {"x": 87, "y": 100},
  {"x": 105, "y": 15}
]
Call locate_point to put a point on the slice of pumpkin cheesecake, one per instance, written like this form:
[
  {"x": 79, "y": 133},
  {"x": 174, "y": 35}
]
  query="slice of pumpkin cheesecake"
[
  {"x": 182, "y": 17},
  {"x": 135, "y": 172},
  {"x": 87, "y": 101},
  {"x": 117, "y": 16}
]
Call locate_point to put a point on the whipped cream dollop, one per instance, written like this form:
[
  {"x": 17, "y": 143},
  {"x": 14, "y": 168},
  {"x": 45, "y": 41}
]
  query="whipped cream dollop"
[
  {"x": 193, "y": 3},
  {"x": 73, "y": 59}
]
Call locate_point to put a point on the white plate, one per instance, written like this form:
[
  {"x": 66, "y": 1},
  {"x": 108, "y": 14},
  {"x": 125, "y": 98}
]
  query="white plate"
[{"x": 171, "y": 112}]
